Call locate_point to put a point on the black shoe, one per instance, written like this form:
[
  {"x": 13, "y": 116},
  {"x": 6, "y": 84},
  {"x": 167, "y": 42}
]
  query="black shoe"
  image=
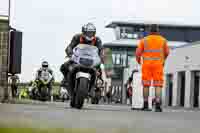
[
  {"x": 137, "y": 109},
  {"x": 146, "y": 107},
  {"x": 133, "y": 108},
  {"x": 158, "y": 110},
  {"x": 158, "y": 107}
]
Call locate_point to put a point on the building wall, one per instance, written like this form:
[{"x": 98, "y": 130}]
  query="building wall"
[
  {"x": 183, "y": 58},
  {"x": 3, "y": 57},
  {"x": 3, "y": 25}
]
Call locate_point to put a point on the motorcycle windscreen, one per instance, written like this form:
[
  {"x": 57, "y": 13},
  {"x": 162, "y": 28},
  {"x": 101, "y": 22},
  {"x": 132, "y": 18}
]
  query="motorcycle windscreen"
[{"x": 86, "y": 55}]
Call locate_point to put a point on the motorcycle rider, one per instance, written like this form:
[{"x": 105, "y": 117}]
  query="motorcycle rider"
[
  {"x": 14, "y": 79},
  {"x": 45, "y": 72},
  {"x": 88, "y": 36}
]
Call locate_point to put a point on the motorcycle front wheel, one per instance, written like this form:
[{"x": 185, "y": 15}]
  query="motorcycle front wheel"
[{"x": 81, "y": 92}]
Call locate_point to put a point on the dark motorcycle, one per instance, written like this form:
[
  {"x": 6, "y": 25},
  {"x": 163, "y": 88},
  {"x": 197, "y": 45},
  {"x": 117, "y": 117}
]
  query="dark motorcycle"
[
  {"x": 98, "y": 89},
  {"x": 83, "y": 73},
  {"x": 43, "y": 90}
]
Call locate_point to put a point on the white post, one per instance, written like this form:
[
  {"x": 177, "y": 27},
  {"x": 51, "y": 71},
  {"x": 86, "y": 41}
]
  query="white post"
[
  {"x": 165, "y": 91},
  {"x": 189, "y": 89},
  {"x": 176, "y": 89},
  {"x": 151, "y": 96}
]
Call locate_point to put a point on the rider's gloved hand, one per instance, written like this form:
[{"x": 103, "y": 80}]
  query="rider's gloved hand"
[{"x": 69, "y": 52}]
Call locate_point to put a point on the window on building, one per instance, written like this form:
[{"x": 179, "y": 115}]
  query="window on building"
[
  {"x": 119, "y": 57},
  {"x": 131, "y": 33},
  {"x": 118, "y": 74}
]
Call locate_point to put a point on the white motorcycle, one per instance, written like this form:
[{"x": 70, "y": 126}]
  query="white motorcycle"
[{"x": 82, "y": 74}]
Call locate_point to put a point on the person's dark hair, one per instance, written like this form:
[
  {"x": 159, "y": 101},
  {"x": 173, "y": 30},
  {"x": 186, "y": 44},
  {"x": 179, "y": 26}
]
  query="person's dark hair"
[{"x": 154, "y": 28}]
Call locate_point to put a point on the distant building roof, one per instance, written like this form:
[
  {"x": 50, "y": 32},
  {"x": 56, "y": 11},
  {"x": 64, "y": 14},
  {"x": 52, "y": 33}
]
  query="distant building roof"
[
  {"x": 144, "y": 24},
  {"x": 133, "y": 43},
  {"x": 188, "y": 44},
  {"x": 122, "y": 43}
]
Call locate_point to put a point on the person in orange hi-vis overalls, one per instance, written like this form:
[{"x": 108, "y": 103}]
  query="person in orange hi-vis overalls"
[{"x": 152, "y": 52}]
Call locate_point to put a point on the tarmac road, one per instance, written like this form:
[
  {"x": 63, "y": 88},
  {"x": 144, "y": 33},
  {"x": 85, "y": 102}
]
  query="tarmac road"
[{"x": 102, "y": 117}]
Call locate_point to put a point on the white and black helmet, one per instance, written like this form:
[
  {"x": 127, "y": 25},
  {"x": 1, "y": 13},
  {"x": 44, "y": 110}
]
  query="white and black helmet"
[
  {"x": 45, "y": 64},
  {"x": 89, "y": 31}
]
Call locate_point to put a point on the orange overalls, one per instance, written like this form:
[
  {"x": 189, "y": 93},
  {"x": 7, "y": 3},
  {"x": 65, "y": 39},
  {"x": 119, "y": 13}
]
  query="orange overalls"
[{"x": 153, "y": 50}]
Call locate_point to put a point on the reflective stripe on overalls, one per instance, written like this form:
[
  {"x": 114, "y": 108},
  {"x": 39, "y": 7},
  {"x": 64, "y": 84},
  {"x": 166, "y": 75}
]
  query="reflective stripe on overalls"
[
  {"x": 155, "y": 82},
  {"x": 146, "y": 50},
  {"x": 146, "y": 82}
]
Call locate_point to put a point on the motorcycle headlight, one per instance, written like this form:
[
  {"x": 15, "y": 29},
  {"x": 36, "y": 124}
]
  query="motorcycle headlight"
[{"x": 86, "y": 62}]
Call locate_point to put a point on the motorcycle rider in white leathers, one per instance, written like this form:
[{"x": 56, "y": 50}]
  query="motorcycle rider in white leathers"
[{"x": 45, "y": 74}]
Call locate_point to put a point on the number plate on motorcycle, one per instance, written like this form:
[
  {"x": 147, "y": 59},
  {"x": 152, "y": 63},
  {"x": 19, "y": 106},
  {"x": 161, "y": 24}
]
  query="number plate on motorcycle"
[{"x": 86, "y": 62}]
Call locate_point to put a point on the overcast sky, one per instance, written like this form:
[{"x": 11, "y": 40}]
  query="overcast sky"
[{"x": 48, "y": 25}]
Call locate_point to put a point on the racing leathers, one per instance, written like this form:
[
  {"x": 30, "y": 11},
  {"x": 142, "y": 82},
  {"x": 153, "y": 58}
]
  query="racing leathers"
[{"x": 47, "y": 76}]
